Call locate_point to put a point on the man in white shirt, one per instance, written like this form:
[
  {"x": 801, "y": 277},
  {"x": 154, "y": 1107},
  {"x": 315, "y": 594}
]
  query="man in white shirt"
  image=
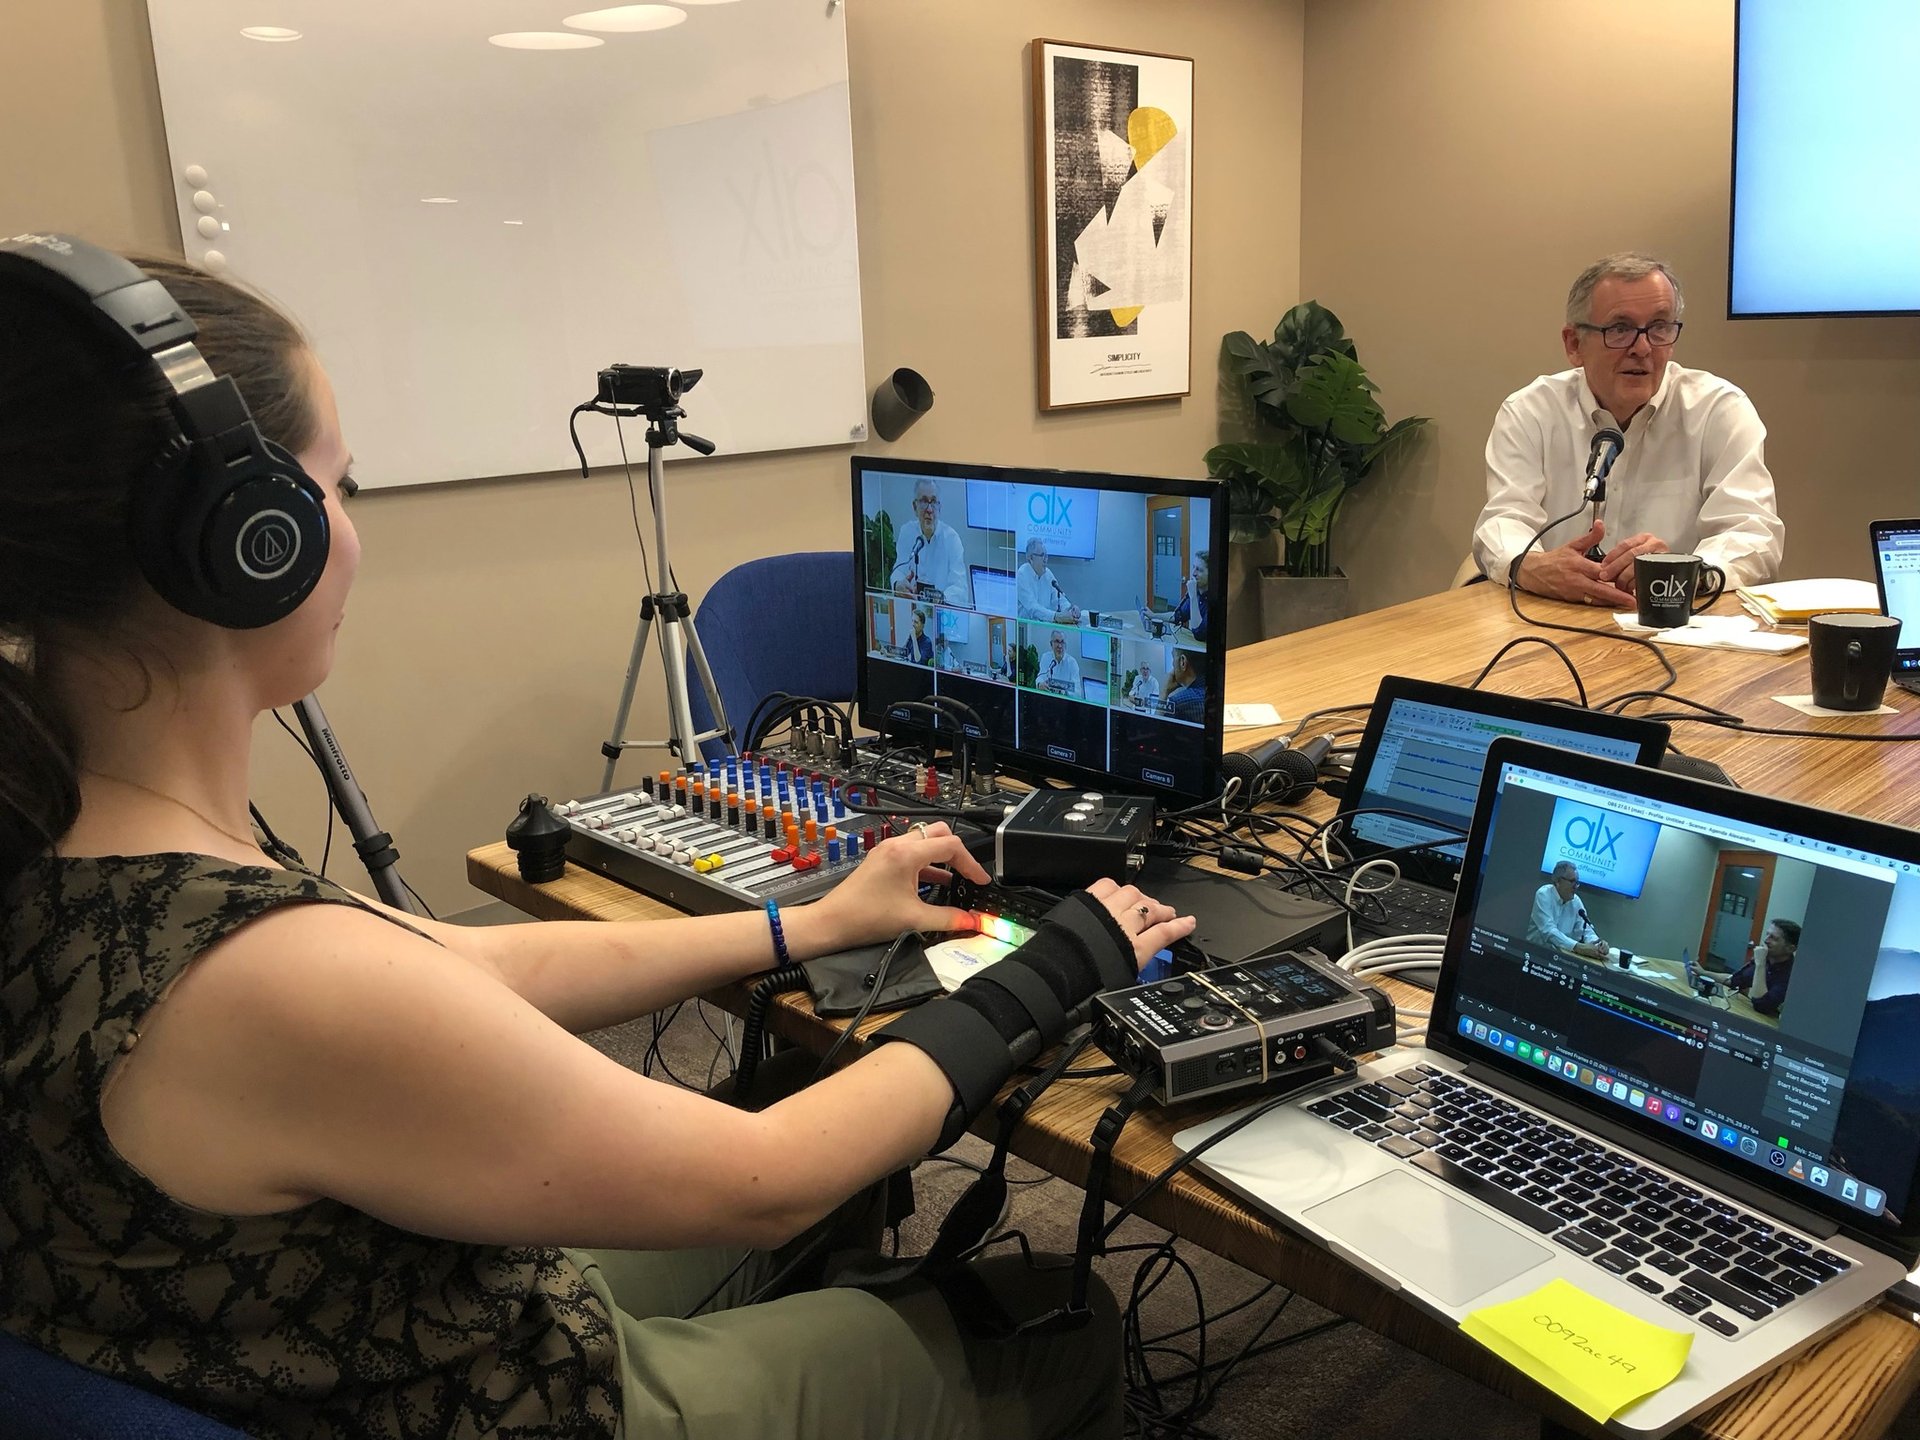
[
  {"x": 1560, "y": 920},
  {"x": 1059, "y": 671},
  {"x": 1691, "y": 477},
  {"x": 931, "y": 556},
  {"x": 1145, "y": 690},
  {"x": 1036, "y": 594}
]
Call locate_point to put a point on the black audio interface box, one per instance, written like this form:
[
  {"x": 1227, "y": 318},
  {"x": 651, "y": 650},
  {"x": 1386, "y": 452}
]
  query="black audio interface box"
[
  {"x": 1064, "y": 839},
  {"x": 1214, "y": 1031}
]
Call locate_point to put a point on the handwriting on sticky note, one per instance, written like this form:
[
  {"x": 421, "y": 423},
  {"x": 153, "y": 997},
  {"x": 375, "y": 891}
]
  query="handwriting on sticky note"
[{"x": 1590, "y": 1353}]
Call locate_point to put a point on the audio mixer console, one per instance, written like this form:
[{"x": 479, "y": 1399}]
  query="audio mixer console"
[{"x": 732, "y": 834}]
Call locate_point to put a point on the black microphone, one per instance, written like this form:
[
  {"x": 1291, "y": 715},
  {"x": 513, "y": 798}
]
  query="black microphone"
[
  {"x": 1275, "y": 770},
  {"x": 1605, "y": 449}
]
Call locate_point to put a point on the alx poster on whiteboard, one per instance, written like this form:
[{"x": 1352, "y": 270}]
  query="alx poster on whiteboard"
[
  {"x": 1113, "y": 182},
  {"x": 474, "y": 206}
]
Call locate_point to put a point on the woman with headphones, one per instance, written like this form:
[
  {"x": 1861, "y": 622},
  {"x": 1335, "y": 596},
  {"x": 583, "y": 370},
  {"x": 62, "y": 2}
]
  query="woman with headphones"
[{"x": 319, "y": 1168}]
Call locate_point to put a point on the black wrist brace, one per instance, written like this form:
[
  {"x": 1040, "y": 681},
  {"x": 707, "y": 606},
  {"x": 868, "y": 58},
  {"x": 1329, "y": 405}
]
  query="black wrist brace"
[{"x": 1019, "y": 1006}]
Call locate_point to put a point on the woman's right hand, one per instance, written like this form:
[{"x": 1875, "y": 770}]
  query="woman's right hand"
[{"x": 1151, "y": 926}]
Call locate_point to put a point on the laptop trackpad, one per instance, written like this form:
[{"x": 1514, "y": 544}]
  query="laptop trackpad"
[{"x": 1426, "y": 1237}]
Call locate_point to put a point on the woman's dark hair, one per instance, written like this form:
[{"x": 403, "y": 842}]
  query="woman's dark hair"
[{"x": 81, "y": 423}]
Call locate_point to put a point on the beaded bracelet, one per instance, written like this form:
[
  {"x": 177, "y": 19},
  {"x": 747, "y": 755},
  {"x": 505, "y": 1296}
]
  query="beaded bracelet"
[{"x": 781, "y": 958}]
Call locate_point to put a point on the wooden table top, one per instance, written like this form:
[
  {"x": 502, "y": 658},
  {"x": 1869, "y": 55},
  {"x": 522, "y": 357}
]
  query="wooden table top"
[{"x": 1852, "y": 1384}]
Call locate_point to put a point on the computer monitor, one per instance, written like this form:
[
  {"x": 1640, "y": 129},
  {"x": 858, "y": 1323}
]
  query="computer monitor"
[{"x": 1094, "y": 644}]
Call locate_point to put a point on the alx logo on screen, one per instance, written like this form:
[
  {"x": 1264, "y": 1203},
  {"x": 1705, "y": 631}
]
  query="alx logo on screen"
[
  {"x": 1049, "y": 507},
  {"x": 1610, "y": 850}
]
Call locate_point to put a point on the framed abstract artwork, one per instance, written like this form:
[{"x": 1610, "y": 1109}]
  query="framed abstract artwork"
[{"x": 1113, "y": 212}]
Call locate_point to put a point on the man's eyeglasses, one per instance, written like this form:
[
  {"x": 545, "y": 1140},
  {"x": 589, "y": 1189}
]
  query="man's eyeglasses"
[
  {"x": 1620, "y": 335},
  {"x": 933, "y": 500}
]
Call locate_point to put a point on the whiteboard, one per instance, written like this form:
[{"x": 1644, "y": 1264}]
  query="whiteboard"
[{"x": 470, "y": 232}]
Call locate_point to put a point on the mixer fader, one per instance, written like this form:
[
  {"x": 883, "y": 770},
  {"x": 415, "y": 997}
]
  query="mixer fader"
[{"x": 728, "y": 834}]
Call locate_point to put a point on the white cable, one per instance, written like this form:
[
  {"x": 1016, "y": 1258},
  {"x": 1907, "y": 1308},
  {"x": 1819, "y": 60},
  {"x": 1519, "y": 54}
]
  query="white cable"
[{"x": 1354, "y": 887}]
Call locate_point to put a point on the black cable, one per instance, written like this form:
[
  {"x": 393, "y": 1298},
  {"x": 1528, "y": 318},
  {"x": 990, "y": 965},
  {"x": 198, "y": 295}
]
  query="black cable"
[
  {"x": 866, "y": 1006},
  {"x": 326, "y": 850},
  {"x": 1513, "y": 599},
  {"x": 1565, "y": 659}
]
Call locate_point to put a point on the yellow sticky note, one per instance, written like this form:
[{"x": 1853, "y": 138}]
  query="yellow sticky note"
[{"x": 1586, "y": 1351}]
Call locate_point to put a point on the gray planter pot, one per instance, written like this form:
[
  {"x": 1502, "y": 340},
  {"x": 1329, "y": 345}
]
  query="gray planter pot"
[{"x": 1292, "y": 602}]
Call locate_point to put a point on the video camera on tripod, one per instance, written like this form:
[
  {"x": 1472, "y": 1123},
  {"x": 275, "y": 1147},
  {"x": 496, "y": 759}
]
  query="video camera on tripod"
[{"x": 654, "y": 391}]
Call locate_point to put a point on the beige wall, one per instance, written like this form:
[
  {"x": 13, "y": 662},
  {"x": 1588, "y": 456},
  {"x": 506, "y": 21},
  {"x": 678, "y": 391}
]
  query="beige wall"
[
  {"x": 489, "y": 630},
  {"x": 1463, "y": 161}
]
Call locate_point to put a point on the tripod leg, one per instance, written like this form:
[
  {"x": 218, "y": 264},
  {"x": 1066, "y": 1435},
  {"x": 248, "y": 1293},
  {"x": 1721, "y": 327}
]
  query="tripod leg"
[
  {"x": 706, "y": 681},
  {"x": 615, "y": 741},
  {"x": 673, "y": 655}
]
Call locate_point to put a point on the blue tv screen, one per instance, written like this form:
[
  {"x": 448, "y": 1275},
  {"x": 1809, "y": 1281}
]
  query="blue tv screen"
[{"x": 1826, "y": 187}]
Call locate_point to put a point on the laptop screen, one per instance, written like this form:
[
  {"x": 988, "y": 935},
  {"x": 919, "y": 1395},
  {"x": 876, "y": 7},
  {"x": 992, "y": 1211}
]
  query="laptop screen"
[
  {"x": 1896, "y": 562},
  {"x": 1425, "y": 747},
  {"x": 1755, "y": 999}
]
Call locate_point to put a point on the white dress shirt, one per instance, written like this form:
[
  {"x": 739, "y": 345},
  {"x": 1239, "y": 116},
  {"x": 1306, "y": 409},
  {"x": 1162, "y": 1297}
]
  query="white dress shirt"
[
  {"x": 1038, "y": 597},
  {"x": 1064, "y": 672},
  {"x": 1556, "y": 922},
  {"x": 940, "y": 562},
  {"x": 1692, "y": 473}
]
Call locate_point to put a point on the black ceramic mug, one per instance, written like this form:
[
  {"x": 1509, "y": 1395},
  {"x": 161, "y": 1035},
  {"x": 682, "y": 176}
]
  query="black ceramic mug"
[
  {"x": 1851, "y": 659},
  {"x": 1665, "y": 587}
]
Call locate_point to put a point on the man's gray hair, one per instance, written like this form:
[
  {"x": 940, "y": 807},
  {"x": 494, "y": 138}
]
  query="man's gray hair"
[
  {"x": 1035, "y": 542},
  {"x": 1624, "y": 265},
  {"x": 1568, "y": 869}
]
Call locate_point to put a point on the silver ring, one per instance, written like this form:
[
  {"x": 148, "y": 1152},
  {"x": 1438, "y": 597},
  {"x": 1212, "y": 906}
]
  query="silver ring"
[
  {"x": 921, "y": 826},
  {"x": 1143, "y": 911}
]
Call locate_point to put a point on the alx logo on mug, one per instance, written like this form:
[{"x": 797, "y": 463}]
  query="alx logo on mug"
[{"x": 1671, "y": 589}]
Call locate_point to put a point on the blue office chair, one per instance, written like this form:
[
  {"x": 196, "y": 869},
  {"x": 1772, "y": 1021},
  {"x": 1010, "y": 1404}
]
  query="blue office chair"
[
  {"x": 43, "y": 1397},
  {"x": 785, "y": 622}
]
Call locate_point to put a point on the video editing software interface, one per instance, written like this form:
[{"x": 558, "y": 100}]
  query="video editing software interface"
[
  {"x": 1749, "y": 988},
  {"x": 1081, "y": 616},
  {"x": 1897, "y": 553},
  {"x": 1429, "y": 760}
]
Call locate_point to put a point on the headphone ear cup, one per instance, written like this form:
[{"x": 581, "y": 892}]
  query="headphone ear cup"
[{"x": 239, "y": 546}]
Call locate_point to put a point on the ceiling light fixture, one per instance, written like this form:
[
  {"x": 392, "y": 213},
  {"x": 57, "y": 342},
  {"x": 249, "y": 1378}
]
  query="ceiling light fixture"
[
  {"x": 544, "y": 40},
  {"x": 627, "y": 19},
  {"x": 438, "y": 200},
  {"x": 271, "y": 34}
]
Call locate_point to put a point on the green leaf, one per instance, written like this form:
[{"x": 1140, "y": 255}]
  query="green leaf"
[
  {"x": 1333, "y": 394},
  {"x": 1390, "y": 444},
  {"x": 1307, "y": 330}
]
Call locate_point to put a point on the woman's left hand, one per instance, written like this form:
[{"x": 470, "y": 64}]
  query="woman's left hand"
[{"x": 881, "y": 897}]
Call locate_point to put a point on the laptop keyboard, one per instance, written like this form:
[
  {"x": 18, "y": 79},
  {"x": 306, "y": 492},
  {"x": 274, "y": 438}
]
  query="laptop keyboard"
[
  {"x": 1411, "y": 910},
  {"x": 1722, "y": 1266}
]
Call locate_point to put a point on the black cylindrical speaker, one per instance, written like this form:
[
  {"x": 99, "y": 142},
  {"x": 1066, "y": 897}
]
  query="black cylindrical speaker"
[{"x": 902, "y": 398}]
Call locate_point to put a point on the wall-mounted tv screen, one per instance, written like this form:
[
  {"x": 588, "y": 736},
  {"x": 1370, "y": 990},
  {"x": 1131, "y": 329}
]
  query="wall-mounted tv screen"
[{"x": 1826, "y": 186}]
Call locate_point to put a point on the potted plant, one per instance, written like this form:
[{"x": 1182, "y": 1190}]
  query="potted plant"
[
  {"x": 880, "y": 549},
  {"x": 1322, "y": 433}
]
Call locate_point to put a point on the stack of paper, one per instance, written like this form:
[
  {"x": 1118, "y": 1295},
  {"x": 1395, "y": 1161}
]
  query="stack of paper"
[{"x": 1790, "y": 602}]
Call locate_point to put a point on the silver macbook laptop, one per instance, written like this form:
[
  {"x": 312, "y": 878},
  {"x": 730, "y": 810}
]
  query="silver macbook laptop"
[
  {"x": 1896, "y": 568},
  {"x": 1741, "y": 1165}
]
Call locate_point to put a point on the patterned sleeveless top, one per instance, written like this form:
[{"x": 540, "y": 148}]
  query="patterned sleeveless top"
[{"x": 315, "y": 1322}]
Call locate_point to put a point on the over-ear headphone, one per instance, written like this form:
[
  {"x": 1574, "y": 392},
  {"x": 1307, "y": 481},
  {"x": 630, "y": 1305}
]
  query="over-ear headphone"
[{"x": 227, "y": 527}]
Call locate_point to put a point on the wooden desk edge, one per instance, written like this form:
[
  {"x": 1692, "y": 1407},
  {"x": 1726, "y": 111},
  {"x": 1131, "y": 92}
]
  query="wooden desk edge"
[{"x": 1853, "y": 1383}]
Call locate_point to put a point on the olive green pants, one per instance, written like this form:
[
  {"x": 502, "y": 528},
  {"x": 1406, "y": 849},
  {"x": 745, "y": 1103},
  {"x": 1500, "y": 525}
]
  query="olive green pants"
[{"x": 847, "y": 1364}]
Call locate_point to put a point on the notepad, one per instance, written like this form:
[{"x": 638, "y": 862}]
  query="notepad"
[
  {"x": 1790, "y": 602},
  {"x": 1591, "y": 1354},
  {"x": 1245, "y": 717}
]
